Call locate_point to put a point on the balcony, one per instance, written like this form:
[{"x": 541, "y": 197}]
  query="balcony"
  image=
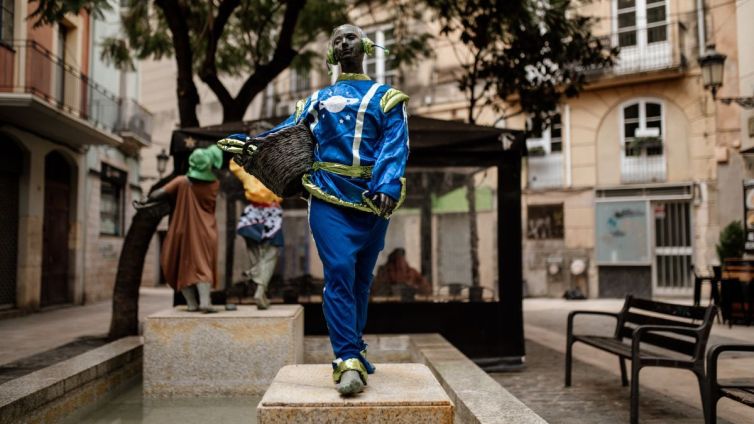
[
  {"x": 545, "y": 170},
  {"x": 134, "y": 125},
  {"x": 42, "y": 93},
  {"x": 661, "y": 49},
  {"x": 643, "y": 162}
]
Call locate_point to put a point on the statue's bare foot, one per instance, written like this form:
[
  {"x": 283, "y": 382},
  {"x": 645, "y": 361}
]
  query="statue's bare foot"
[{"x": 350, "y": 383}]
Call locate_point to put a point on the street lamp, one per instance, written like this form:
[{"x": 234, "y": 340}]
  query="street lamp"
[
  {"x": 712, "y": 63},
  {"x": 162, "y": 162}
]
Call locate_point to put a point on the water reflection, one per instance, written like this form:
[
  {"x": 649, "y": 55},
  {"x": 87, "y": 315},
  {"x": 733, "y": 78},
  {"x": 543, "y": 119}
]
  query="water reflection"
[{"x": 130, "y": 407}]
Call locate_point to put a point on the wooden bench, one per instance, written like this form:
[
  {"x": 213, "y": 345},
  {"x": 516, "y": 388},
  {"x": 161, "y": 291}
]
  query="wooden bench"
[
  {"x": 680, "y": 330},
  {"x": 739, "y": 392}
]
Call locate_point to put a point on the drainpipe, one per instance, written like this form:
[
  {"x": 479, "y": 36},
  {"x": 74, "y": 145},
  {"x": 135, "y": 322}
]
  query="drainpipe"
[
  {"x": 700, "y": 24},
  {"x": 566, "y": 134}
]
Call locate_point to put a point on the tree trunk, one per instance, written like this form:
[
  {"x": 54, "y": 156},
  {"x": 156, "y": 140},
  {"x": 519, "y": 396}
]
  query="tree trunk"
[
  {"x": 473, "y": 231},
  {"x": 426, "y": 228},
  {"x": 125, "y": 318}
]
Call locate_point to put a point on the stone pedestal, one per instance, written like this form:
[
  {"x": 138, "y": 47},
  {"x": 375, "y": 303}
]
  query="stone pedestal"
[
  {"x": 229, "y": 353},
  {"x": 396, "y": 394}
]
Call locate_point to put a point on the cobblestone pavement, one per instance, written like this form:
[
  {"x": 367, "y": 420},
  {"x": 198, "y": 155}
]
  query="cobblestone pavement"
[
  {"x": 596, "y": 397},
  {"x": 667, "y": 395},
  {"x": 44, "y": 332}
]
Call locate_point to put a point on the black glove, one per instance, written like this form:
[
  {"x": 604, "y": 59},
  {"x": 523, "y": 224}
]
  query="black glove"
[{"x": 385, "y": 203}]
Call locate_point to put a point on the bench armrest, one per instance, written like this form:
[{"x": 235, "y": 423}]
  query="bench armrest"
[
  {"x": 714, "y": 354},
  {"x": 643, "y": 329},
  {"x": 572, "y": 315}
]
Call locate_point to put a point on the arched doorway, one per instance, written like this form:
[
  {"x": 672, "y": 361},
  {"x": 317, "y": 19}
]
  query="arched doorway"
[
  {"x": 10, "y": 172},
  {"x": 57, "y": 214}
]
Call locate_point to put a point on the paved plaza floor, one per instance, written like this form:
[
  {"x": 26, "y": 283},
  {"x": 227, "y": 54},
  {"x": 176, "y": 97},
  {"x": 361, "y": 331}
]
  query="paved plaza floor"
[
  {"x": 667, "y": 395},
  {"x": 43, "y": 331}
]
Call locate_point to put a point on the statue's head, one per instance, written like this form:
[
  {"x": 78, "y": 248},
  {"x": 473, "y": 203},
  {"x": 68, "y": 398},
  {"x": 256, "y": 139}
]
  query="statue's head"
[{"x": 348, "y": 44}]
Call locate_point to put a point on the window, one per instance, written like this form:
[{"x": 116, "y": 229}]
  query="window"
[
  {"x": 550, "y": 140},
  {"x": 642, "y": 129},
  {"x": 641, "y": 22},
  {"x": 381, "y": 67},
  {"x": 626, "y": 12},
  {"x": 300, "y": 81},
  {"x": 544, "y": 222},
  {"x": 6, "y": 20},
  {"x": 112, "y": 184}
]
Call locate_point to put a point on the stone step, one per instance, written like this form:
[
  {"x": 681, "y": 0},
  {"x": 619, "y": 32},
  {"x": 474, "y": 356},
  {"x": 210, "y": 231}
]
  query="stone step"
[
  {"x": 396, "y": 394},
  {"x": 229, "y": 353}
]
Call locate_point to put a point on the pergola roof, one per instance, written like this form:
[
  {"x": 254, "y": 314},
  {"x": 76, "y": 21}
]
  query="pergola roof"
[{"x": 434, "y": 142}]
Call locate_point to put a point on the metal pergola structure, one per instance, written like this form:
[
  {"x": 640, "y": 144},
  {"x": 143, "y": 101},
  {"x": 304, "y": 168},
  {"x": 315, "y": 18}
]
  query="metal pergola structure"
[{"x": 486, "y": 331}]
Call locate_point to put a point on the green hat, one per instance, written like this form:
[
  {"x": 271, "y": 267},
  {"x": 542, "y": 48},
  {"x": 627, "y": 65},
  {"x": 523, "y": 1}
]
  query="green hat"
[{"x": 201, "y": 162}]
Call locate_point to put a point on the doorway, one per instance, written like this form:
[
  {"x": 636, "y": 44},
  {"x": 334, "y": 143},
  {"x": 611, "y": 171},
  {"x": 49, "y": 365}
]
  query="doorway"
[
  {"x": 55, "y": 232},
  {"x": 672, "y": 247},
  {"x": 10, "y": 172}
]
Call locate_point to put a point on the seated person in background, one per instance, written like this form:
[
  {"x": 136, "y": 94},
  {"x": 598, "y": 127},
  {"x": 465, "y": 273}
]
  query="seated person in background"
[{"x": 396, "y": 272}]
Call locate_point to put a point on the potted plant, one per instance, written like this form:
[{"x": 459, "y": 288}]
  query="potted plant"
[
  {"x": 731, "y": 244},
  {"x": 639, "y": 143},
  {"x": 536, "y": 151}
]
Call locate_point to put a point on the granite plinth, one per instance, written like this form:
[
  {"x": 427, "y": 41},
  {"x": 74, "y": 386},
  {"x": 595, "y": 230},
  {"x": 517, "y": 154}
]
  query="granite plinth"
[
  {"x": 230, "y": 353},
  {"x": 396, "y": 394}
]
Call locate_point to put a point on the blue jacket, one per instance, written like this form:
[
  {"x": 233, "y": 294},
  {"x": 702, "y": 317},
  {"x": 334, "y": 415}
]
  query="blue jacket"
[{"x": 361, "y": 132}]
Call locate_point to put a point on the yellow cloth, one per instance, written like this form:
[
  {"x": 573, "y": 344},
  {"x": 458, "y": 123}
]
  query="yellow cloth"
[{"x": 254, "y": 190}]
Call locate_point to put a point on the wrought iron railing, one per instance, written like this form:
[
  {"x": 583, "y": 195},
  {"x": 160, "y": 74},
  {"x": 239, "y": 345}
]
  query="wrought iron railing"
[
  {"x": 136, "y": 119},
  {"x": 652, "y": 48},
  {"x": 643, "y": 168},
  {"x": 34, "y": 69}
]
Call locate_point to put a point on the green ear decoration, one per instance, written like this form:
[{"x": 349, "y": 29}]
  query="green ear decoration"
[
  {"x": 330, "y": 58},
  {"x": 368, "y": 46}
]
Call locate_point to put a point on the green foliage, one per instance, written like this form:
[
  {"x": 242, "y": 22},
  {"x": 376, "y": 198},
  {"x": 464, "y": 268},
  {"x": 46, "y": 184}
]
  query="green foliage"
[
  {"x": 731, "y": 244},
  {"x": 257, "y": 38},
  {"x": 52, "y": 11},
  {"x": 536, "y": 51}
]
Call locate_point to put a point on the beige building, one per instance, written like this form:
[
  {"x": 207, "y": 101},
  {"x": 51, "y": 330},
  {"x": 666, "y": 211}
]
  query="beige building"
[
  {"x": 643, "y": 168},
  {"x": 70, "y": 135}
]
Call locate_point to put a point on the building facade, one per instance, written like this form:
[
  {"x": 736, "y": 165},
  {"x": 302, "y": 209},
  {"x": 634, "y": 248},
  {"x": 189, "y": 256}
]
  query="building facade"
[
  {"x": 627, "y": 192},
  {"x": 70, "y": 160}
]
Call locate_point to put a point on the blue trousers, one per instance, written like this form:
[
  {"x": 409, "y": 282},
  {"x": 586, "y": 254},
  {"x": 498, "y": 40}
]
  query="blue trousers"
[{"x": 348, "y": 242}]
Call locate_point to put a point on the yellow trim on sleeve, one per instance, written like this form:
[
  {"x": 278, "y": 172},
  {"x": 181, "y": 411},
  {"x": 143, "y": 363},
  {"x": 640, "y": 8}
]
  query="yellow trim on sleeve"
[
  {"x": 391, "y": 99},
  {"x": 300, "y": 108}
]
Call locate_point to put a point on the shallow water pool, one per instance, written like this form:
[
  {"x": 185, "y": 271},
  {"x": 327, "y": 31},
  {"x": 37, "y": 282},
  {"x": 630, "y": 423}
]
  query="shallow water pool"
[{"x": 130, "y": 407}]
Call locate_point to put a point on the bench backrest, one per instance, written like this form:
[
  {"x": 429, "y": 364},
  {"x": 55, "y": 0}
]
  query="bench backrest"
[{"x": 638, "y": 312}]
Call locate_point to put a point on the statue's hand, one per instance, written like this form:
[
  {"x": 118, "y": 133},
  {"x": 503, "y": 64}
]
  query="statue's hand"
[
  {"x": 385, "y": 203},
  {"x": 238, "y": 144},
  {"x": 232, "y": 145},
  {"x": 139, "y": 204}
]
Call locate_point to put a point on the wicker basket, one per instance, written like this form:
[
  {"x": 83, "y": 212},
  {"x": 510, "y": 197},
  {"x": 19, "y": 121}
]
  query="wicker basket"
[{"x": 282, "y": 158}]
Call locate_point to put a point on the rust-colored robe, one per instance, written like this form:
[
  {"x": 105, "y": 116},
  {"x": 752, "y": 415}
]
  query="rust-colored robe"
[{"x": 189, "y": 252}]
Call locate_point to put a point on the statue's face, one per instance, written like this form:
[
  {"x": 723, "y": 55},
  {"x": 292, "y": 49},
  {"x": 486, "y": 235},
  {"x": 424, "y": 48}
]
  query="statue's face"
[{"x": 346, "y": 44}]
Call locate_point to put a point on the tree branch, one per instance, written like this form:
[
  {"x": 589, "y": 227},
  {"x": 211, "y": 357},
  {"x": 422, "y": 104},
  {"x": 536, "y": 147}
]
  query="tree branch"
[
  {"x": 208, "y": 72},
  {"x": 188, "y": 96},
  {"x": 281, "y": 58}
]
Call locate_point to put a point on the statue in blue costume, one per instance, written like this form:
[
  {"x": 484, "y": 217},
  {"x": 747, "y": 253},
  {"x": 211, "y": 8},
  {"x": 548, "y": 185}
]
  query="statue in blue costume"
[{"x": 356, "y": 182}]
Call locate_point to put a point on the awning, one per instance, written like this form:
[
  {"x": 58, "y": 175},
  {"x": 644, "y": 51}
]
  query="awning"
[{"x": 434, "y": 142}]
